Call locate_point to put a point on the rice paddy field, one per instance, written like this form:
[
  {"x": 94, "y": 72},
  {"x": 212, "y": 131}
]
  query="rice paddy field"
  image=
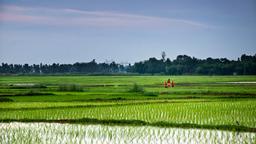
[{"x": 127, "y": 109}]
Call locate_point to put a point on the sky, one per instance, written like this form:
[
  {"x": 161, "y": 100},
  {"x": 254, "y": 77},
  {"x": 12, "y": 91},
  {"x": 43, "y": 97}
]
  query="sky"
[{"x": 126, "y": 31}]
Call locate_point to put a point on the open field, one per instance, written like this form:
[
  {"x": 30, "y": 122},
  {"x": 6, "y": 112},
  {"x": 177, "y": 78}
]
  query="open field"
[
  {"x": 197, "y": 104},
  {"x": 240, "y": 113},
  {"x": 46, "y": 88}
]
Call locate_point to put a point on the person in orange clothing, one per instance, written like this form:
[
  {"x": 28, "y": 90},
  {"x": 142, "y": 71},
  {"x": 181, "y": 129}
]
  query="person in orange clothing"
[
  {"x": 165, "y": 84},
  {"x": 169, "y": 83},
  {"x": 173, "y": 84}
]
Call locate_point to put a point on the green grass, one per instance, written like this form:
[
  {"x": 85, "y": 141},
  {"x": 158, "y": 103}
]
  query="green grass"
[
  {"x": 241, "y": 113},
  {"x": 200, "y": 101},
  {"x": 120, "y": 80}
]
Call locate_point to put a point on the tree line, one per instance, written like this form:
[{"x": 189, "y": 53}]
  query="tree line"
[
  {"x": 56, "y": 68},
  {"x": 183, "y": 64}
]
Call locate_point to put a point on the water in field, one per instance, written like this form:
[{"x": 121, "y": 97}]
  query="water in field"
[{"x": 31, "y": 133}]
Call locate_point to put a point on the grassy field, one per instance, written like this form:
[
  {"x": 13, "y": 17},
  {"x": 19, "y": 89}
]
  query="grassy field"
[
  {"x": 208, "y": 102},
  {"x": 48, "y": 88}
]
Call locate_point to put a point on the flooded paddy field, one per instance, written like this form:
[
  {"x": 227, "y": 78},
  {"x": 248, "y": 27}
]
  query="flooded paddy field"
[{"x": 31, "y": 133}]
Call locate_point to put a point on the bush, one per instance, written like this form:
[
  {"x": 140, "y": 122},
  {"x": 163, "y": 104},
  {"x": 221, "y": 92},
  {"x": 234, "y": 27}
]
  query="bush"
[
  {"x": 152, "y": 94},
  {"x": 2, "y": 99},
  {"x": 136, "y": 88},
  {"x": 71, "y": 88},
  {"x": 34, "y": 93}
]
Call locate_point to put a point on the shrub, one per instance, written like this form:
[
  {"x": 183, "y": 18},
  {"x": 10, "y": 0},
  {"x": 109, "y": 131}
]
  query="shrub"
[
  {"x": 31, "y": 92},
  {"x": 70, "y": 88},
  {"x": 34, "y": 93},
  {"x": 3, "y": 99},
  {"x": 153, "y": 94},
  {"x": 136, "y": 88}
]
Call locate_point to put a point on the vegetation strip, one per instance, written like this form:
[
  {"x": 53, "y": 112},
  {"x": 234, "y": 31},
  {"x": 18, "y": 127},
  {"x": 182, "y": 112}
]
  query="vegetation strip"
[
  {"x": 102, "y": 105},
  {"x": 203, "y": 93},
  {"x": 138, "y": 123},
  {"x": 30, "y": 93}
]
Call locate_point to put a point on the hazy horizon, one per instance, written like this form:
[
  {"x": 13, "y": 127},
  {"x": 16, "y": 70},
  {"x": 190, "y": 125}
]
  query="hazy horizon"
[{"x": 62, "y": 31}]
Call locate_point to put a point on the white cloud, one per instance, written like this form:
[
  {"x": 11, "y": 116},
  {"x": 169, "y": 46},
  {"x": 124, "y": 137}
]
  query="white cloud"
[{"x": 74, "y": 17}]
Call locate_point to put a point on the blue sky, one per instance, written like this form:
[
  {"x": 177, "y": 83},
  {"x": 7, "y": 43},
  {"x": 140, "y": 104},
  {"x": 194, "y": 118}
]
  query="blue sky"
[{"x": 68, "y": 31}]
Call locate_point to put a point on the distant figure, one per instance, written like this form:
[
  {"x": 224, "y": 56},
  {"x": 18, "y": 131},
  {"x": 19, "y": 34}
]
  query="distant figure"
[
  {"x": 165, "y": 84},
  {"x": 173, "y": 84},
  {"x": 169, "y": 83}
]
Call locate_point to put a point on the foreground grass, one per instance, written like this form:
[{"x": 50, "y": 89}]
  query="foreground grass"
[
  {"x": 236, "y": 114},
  {"x": 110, "y": 122},
  {"x": 100, "y": 133}
]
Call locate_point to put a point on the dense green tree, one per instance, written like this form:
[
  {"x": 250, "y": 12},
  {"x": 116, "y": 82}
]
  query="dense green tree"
[{"x": 183, "y": 64}]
